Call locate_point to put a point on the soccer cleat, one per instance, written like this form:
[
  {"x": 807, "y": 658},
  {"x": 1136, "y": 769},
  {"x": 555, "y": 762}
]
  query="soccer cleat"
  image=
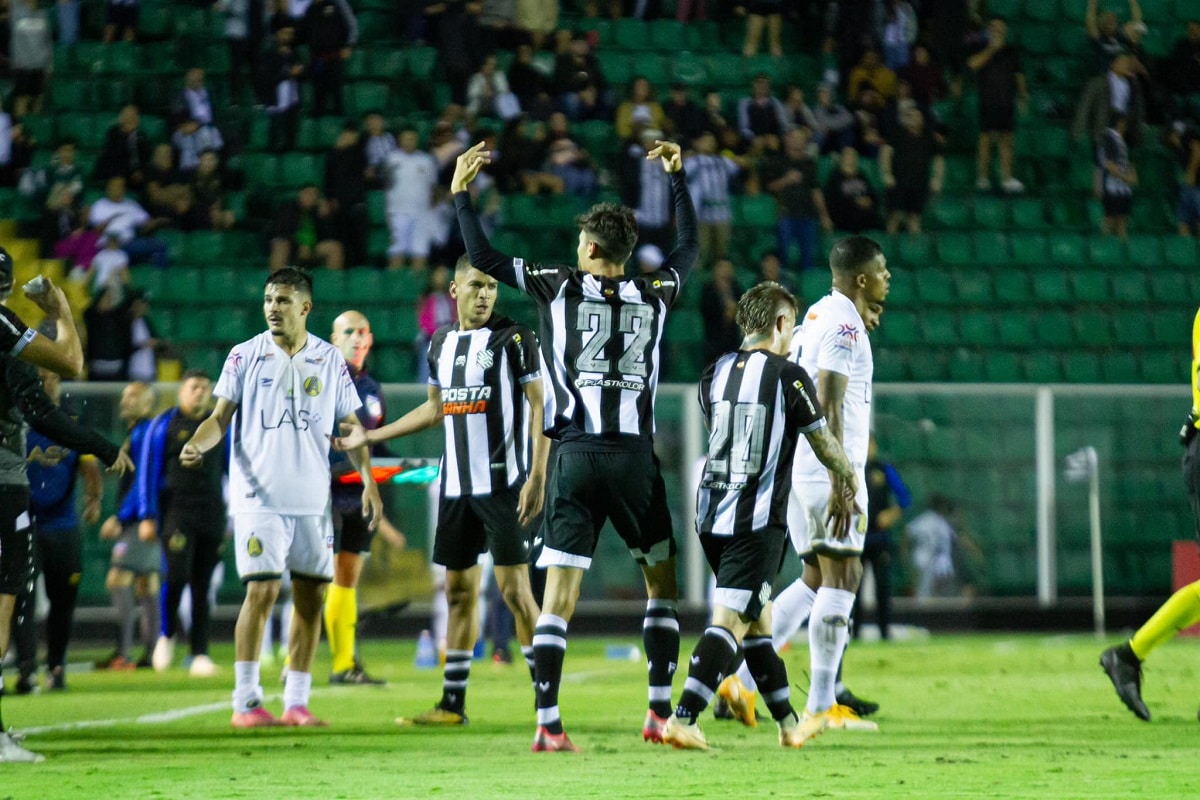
[
  {"x": 740, "y": 699},
  {"x": 546, "y": 742},
  {"x": 652, "y": 728},
  {"x": 144, "y": 662},
  {"x": 682, "y": 736},
  {"x": 56, "y": 680},
  {"x": 257, "y": 717},
  {"x": 810, "y": 726},
  {"x": 864, "y": 708},
  {"x": 843, "y": 718},
  {"x": 202, "y": 667},
  {"x": 356, "y": 676},
  {"x": 501, "y": 656},
  {"x": 11, "y": 751},
  {"x": 435, "y": 717},
  {"x": 120, "y": 664},
  {"x": 301, "y": 717},
  {"x": 27, "y": 684},
  {"x": 1125, "y": 672},
  {"x": 164, "y": 654}
]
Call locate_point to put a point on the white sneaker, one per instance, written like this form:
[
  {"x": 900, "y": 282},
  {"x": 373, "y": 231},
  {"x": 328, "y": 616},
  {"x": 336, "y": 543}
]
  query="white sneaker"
[
  {"x": 202, "y": 667},
  {"x": 163, "y": 655},
  {"x": 1013, "y": 186},
  {"x": 11, "y": 751}
]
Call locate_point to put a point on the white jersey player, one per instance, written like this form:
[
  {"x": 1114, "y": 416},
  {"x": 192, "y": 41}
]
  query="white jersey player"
[{"x": 283, "y": 393}]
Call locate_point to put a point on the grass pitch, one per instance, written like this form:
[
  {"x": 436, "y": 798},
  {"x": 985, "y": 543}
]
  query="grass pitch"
[{"x": 962, "y": 717}]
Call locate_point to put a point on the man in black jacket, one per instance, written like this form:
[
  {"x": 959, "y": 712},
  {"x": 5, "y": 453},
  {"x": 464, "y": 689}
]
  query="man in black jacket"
[
  {"x": 126, "y": 150},
  {"x": 346, "y": 188},
  {"x": 330, "y": 30}
]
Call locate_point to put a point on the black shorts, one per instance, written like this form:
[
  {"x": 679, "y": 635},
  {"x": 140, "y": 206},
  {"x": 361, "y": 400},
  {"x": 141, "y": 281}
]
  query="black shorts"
[
  {"x": 1117, "y": 205},
  {"x": 908, "y": 199},
  {"x": 28, "y": 82},
  {"x": 16, "y": 540},
  {"x": 1191, "y": 478},
  {"x": 472, "y": 525},
  {"x": 192, "y": 534},
  {"x": 745, "y": 566},
  {"x": 997, "y": 117},
  {"x": 589, "y": 487},
  {"x": 351, "y": 534},
  {"x": 122, "y": 16}
]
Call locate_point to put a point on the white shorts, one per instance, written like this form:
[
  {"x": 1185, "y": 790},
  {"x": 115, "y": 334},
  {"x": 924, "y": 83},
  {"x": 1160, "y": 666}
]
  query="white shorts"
[
  {"x": 410, "y": 234},
  {"x": 268, "y": 544},
  {"x": 808, "y": 505}
]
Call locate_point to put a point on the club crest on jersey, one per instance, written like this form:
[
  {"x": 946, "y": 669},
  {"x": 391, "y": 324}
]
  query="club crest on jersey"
[
  {"x": 485, "y": 359},
  {"x": 312, "y": 386},
  {"x": 609, "y": 292},
  {"x": 254, "y": 546}
]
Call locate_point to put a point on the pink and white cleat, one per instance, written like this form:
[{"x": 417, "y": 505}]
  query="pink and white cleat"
[
  {"x": 301, "y": 717},
  {"x": 652, "y": 729},
  {"x": 257, "y": 717}
]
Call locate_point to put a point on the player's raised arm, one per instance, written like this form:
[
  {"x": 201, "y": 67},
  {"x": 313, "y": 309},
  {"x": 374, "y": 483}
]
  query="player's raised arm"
[
  {"x": 687, "y": 233},
  {"x": 209, "y": 434},
  {"x": 483, "y": 256}
]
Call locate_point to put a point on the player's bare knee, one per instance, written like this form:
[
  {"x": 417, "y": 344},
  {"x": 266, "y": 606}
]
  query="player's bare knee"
[
  {"x": 118, "y": 579},
  {"x": 460, "y": 596}
]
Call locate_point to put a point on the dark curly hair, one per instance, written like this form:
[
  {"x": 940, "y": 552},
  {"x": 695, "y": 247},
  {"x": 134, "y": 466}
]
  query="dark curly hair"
[{"x": 613, "y": 228}]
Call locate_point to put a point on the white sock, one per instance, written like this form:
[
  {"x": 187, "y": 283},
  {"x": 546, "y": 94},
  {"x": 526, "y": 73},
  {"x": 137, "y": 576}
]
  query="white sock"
[
  {"x": 789, "y": 611},
  {"x": 297, "y": 689},
  {"x": 247, "y": 693},
  {"x": 828, "y": 631}
]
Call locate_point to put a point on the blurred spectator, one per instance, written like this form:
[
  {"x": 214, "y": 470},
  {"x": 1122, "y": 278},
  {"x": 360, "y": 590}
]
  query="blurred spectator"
[
  {"x": 1116, "y": 91},
  {"x": 835, "y": 127},
  {"x": 330, "y": 30},
  {"x": 897, "y": 33},
  {"x": 936, "y": 546},
  {"x": 190, "y": 140},
  {"x": 281, "y": 72},
  {"x": 686, "y": 10},
  {"x": 30, "y": 54},
  {"x": 522, "y": 157},
  {"x": 791, "y": 177},
  {"x": 143, "y": 340},
  {"x": 377, "y": 146},
  {"x": 761, "y": 114},
  {"x": 578, "y": 80},
  {"x": 1001, "y": 89},
  {"x": 912, "y": 166},
  {"x": 686, "y": 119},
  {"x": 109, "y": 333},
  {"x": 193, "y": 101},
  {"x": 925, "y": 77},
  {"x": 488, "y": 93},
  {"x": 887, "y": 499},
  {"x": 539, "y": 18},
  {"x": 944, "y": 26},
  {"x": 850, "y": 198},
  {"x": 762, "y": 14},
  {"x": 411, "y": 176},
  {"x": 646, "y": 188},
  {"x": 120, "y": 214},
  {"x": 7, "y": 173},
  {"x": 346, "y": 188},
  {"x": 1109, "y": 38},
  {"x": 305, "y": 234},
  {"x": 163, "y": 190},
  {"x": 530, "y": 84},
  {"x": 770, "y": 268},
  {"x": 208, "y": 191},
  {"x": 647, "y": 258},
  {"x": 869, "y": 113},
  {"x": 122, "y": 20},
  {"x": 126, "y": 150},
  {"x": 714, "y": 115},
  {"x": 567, "y": 161},
  {"x": 435, "y": 309},
  {"x": 445, "y": 144},
  {"x": 1182, "y": 72},
  {"x": 456, "y": 34},
  {"x": 498, "y": 27},
  {"x": 708, "y": 178},
  {"x": 718, "y": 307},
  {"x": 57, "y": 190},
  {"x": 1118, "y": 176},
  {"x": 639, "y": 110},
  {"x": 109, "y": 264},
  {"x": 1186, "y": 144},
  {"x": 67, "y": 17},
  {"x": 871, "y": 71},
  {"x": 797, "y": 111},
  {"x": 243, "y": 32}
]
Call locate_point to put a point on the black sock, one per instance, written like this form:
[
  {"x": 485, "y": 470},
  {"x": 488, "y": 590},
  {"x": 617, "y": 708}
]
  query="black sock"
[
  {"x": 174, "y": 592},
  {"x": 711, "y": 660},
  {"x": 527, "y": 653},
  {"x": 454, "y": 680},
  {"x": 769, "y": 672},
  {"x": 549, "y": 648},
  {"x": 660, "y": 638}
]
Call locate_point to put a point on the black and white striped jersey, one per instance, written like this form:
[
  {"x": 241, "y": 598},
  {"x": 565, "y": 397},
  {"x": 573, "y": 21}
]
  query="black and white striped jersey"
[
  {"x": 482, "y": 375},
  {"x": 600, "y": 337},
  {"x": 756, "y": 405}
]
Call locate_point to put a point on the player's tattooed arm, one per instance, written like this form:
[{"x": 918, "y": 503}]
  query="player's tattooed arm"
[
  {"x": 844, "y": 481},
  {"x": 829, "y": 452}
]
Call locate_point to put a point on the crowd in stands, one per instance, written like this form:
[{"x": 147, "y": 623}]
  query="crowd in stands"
[{"x": 886, "y": 69}]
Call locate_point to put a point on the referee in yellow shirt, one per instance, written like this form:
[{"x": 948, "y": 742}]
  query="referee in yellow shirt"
[{"x": 1124, "y": 662}]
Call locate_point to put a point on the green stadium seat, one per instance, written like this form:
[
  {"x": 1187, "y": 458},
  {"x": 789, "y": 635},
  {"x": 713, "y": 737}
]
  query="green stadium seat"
[
  {"x": 420, "y": 62},
  {"x": 991, "y": 212},
  {"x": 1160, "y": 367},
  {"x": 955, "y": 249},
  {"x": 630, "y": 34},
  {"x": 1170, "y": 287},
  {"x": 1002, "y": 367},
  {"x": 1130, "y": 287},
  {"x": 393, "y": 364},
  {"x": 1172, "y": 328},
  {"x": 755, "y": 210},
  {"x": 1042, "y": 10},
  {"x": 1145, "y": 252},
  {"x": 1008, "y": 9},
  {"x": 1107, "y": 251},
  {"x": 1028, "y": 214},
  {"x": 915, "y": 250},
  {"x": 891, "y": 365},
  {"x": 937, "y": 327},
  {"x": 814, "y": 284},
  {"x": 1119, "y": 368},
  {"x": 925, "y": 365},
  {"x": 974, "y": 287},
  {"x": 1029, "y": 249},
  {"x": 690, "y": 69},
  {"x": 1089, "y": 286},
  {"x": 1092, "y": 328},
  {"x": 903, "y": 290},
  {"x": 949, "y": 212},
  {"x": 966, "y": 366},
  {"x": 727, "y": 69},
  {"x": 364, "y": 96},
  {"x": 1042, "y": 367},
  {"x": 203, "y": 247},
  {"x": 991, "y": 247},
  {"x": 1012, "y": 286},
  {"x": 1067, "y": 249},
  {"x": 1051, "y": 287},
  {"x": 377, "y": 208},
  {"x": 1016, "y": 329},
  {"x": 668, "y": 35},
  {"x": 1038, "y": 40},
  {"x": 1054, "y": 328},
  {"x": 1058, "y": 71},
  {"x": 1132, "y": 329},
  {"x": 66, "y": 94},
  {"x": 1079, "y": 367},
  {"x": 301, "y": 169},
  {"x": 936, "y": 287},
  {"x": 1054, "y": 142},
  {"x": 1180, "y": 251},
  {"x": 977, "y": 328}
]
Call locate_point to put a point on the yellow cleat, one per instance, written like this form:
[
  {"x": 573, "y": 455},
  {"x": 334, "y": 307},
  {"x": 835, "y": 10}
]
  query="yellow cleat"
[
  {"x": 434, "y": 717},
  {"x": 740, "y": 699},
  {"x": 810, "y": 727},
  {"x": 682, "y": 736},
  {"x": 843, "y": 718}
]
